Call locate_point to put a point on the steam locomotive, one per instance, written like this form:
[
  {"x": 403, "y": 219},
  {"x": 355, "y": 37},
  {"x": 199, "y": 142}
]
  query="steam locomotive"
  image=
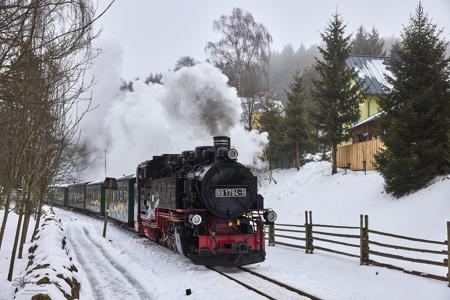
[
  {"x": 203, "y": 204},
  {"x": 200, "y": 203}
]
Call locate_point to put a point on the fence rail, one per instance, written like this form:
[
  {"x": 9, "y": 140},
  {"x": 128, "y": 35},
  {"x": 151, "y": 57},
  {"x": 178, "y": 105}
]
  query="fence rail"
[{"x": 309, "y": 235}]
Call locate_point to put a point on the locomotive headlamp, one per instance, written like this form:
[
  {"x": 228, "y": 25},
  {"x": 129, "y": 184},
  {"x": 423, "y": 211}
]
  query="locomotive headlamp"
[
  {"x": 195, "y": 219},
  {"x": 232, "y": 154},
  {"x": 270, "y": 216}
]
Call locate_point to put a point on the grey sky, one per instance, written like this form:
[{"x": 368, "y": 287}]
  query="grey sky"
[{"x": 154, "y": 34}]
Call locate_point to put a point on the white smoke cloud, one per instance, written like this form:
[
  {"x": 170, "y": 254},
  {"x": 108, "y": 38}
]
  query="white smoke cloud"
[{"x": 193, "y": 105}]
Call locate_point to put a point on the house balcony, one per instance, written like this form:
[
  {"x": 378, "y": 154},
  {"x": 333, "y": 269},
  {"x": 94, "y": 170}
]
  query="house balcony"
[{"x": 359, "y": 156}]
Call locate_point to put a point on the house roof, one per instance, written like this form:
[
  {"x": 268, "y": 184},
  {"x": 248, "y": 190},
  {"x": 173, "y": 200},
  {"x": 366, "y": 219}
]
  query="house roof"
[
  {"x": 369, "y": 119},
  {"x": 372, "y": 70}
]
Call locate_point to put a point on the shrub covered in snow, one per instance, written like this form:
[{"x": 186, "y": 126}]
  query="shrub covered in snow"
[{"x": 50, "y": 273}]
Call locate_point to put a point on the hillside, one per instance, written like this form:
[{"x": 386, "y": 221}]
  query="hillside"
[{"x": 340, "y": 199}]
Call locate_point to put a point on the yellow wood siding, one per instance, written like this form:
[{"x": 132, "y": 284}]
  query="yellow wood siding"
[{"x": 368, "y": 108}]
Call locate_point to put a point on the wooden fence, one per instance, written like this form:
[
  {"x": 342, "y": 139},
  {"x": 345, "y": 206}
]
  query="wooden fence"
[
  {"x": 315, "y": 232},
  {"x": 359, "y": 156}
]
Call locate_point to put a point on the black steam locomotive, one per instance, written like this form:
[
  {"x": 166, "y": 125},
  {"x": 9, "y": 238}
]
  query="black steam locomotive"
[{"x": 203, "y": 204}]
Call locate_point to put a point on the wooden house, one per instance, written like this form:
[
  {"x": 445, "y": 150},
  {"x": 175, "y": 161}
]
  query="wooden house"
[{"x": 358, "y": 153}]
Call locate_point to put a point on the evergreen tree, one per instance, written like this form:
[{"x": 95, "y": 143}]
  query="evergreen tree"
[
  {"x": 272, "y": 122},
  {"x": 337, "y": 98},
  {"x": 360, "y": 42},
  {"x": 297, "y": 128},
  {"x": 368, "y": 43},
  {"x": 416, "y": 109},
  {"x": 375, "y": 43}
]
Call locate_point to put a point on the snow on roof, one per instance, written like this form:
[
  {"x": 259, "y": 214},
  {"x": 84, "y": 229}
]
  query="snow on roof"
[
  {"x": 126, "y": 177},
  {"x": 371, "y": 118},
  {"x": 96, "y": 182},
  {"x": 259, "y": 106},
  {"x": 372, "y": 70}
]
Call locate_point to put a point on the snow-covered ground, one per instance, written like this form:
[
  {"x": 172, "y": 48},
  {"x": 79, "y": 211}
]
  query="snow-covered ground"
[
  {"x": 339, "y": 199},
  {"x": 125, "y": 266},
  {"x": 6, "y": 287}
]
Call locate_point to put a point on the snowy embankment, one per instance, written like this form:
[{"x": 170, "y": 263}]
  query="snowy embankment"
[
  {"x": 50, "y": 269},
  {"x": 339, "y": 199}
]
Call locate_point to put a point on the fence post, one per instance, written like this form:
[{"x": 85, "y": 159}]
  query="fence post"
[
  {"x": 366, "y": 239},
  {"x": 306, "y": 233},
  {"x": 311, "y": 239},
  {"x": 448, "y": 252},
  {"x": 272, "y": 234},
  {"x": 361, "y": 240}
]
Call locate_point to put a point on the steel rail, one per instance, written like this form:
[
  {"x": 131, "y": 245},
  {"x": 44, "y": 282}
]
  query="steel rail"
[
  {"x": 284, "y": 285},
  {"x": 242, "y": 283}
]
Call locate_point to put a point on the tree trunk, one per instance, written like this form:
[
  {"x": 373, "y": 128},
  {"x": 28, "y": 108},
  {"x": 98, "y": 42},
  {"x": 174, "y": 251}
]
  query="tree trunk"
[
  {"x": 297, "y": 156},
  {"x": 5, "y": 217},
  {"x": 16, "y": 241},
  {"x": 38, "y": 219},
  {"x": 334, "y": 159},
  {"x": 26, "y": 221}
]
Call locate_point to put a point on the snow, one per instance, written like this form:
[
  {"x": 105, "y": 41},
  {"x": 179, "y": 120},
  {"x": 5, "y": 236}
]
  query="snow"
[
  {"x": 373, "y": 70},
  {"x": 160, "y": 273},
  {"x": 339, "y": 200},
  {"x": 49, "y": 260},
  {"x": 6, "y": 287},
  {"x": 125, "y": 266}
]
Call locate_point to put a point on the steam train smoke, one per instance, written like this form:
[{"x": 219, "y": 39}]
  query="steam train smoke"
[
  {"x": 191, "y": 106},
  {"x": 199, "y": 96}
]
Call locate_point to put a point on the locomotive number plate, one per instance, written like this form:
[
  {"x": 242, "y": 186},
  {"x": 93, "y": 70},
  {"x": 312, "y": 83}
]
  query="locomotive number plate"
[{"x": 231, "y": 192}]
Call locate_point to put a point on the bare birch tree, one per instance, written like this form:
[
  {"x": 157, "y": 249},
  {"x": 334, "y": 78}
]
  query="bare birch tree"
[{"x": 242, "y": 54}]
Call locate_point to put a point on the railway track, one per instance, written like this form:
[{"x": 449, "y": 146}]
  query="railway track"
[
  {"x": 260, "y": 284},
  {"x": 263, "y": 285}
]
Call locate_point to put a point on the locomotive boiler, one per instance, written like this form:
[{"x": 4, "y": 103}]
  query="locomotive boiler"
[{"x": 203, "y": 204}]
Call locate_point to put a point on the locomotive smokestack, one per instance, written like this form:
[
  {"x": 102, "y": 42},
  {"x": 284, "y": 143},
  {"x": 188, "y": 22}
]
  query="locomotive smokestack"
[
  {"x": 221, "y": 146},
  {"x": 221, "y": 141}
]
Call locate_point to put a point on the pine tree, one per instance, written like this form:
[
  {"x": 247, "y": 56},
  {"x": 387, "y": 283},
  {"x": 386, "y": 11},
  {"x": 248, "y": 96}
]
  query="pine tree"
[
  {"x": 337, "y": 98},
  {"x": 360, "y": 42},
  {"x": 375, "y": 43},
  {"x": 416, "y": 109},
  {"x": 368, "y": 43},
  {"x": 272, "y": 121},
  {"x": 297, "y": 127}
]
